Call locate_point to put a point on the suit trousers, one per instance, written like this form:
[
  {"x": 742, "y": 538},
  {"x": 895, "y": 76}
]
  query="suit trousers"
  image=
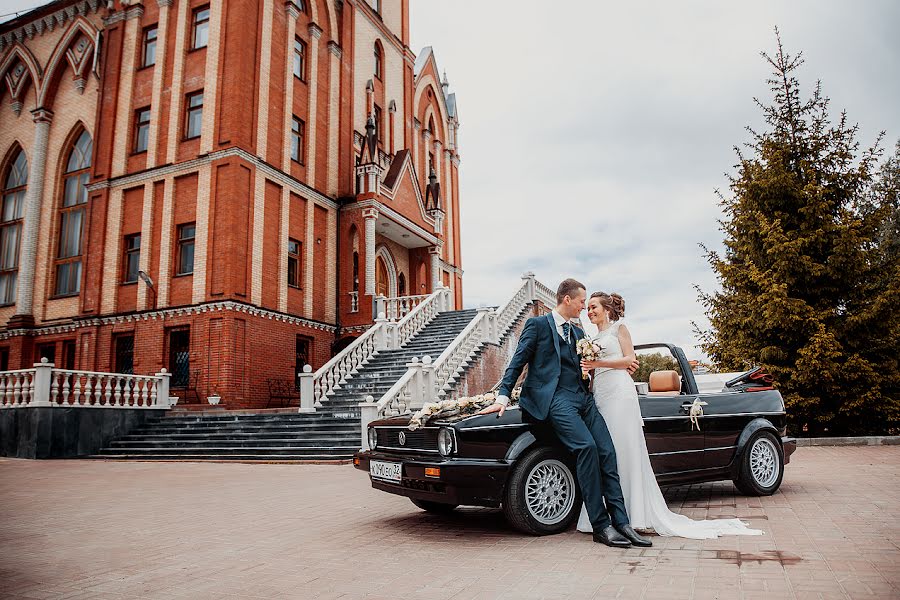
[{"x": 582, "y": 430}]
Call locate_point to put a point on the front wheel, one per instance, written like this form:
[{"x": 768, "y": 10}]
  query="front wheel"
[
  {"x": 434, "y": 507},
  {"x": 541, "y": 496},
  {"x": 762, "y": 465}
]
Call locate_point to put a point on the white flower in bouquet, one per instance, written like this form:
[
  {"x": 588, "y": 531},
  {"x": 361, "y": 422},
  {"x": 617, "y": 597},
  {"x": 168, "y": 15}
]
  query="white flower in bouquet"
[{"x": 587, "y": 350}]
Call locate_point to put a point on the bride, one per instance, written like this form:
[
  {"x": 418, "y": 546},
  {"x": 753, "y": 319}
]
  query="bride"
[{"x": 616, "y": 399}]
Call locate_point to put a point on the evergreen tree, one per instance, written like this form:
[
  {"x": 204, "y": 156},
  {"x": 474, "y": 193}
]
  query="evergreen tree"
[{"x": 808, "y": 290}]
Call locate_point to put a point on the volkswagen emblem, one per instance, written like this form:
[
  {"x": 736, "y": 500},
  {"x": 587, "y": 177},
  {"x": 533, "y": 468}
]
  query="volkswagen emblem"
[{"x": 402, "y": 438}]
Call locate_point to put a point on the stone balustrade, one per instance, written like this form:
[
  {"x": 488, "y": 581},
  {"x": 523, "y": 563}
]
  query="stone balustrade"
[{"x": 46, "y": 386}]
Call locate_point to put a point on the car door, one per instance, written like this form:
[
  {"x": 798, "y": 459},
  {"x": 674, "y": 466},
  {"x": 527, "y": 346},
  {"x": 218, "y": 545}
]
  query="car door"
[
  {"x": 724, "y": 417},
  {"x": 674, "y": 445}
]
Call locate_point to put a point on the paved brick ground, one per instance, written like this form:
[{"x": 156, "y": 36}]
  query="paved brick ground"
[{"x": 83, "y": 529}]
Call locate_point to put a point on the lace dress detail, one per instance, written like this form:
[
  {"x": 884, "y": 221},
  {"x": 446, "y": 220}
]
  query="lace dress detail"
[{"x": 617, "y": 400}]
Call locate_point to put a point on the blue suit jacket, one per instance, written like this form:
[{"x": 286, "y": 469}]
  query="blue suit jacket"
[{"x": 539, "y": 349}]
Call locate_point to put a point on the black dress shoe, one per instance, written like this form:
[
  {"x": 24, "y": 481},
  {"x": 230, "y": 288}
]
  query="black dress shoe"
[
  {"x": 611, "y": 537},
  {"x": 633, "y": 537}
]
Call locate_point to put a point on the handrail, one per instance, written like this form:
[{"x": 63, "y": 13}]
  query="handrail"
[
  {"x": 460, "y": 349},
  {"x": 383, "y": 335},
  {"x": 396, "y": 400},
  {"x": 421, "y": 315},
  {"x": 330, "y": 375}
]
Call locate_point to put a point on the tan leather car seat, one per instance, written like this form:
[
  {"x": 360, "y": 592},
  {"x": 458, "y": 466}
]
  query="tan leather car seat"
[{"x": 665, "y": 383}]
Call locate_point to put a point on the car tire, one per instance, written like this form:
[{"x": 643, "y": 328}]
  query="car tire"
[
  {"x": 542, "y": 495},
  {"x": 762, "y": 465},
  {"x": 434, "y": 507}
]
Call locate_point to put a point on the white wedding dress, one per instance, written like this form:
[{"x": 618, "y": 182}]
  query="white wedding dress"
[{"x": 617, "y": 400}]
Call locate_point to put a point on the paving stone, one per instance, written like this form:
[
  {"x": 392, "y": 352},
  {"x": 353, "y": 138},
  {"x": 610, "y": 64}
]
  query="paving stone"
[{"x": 94, "y": 529}]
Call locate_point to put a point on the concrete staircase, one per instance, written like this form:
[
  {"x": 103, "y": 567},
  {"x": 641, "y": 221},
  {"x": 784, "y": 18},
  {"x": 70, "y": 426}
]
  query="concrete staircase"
[{"x": 331, "y": 433}]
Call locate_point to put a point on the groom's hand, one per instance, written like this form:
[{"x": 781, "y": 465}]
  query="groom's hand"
[
  {"x": 634, "y": 366},
  {"x": 496, "y": 407}
]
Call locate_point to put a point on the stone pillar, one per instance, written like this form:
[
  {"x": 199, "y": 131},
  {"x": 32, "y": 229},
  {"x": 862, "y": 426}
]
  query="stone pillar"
[
  {"x": 438, "y": 159},
  {"x": 370, "y": 215},
  {"x": 292, "y": 13},
  {"x": 24, "y": 316},
  {"x": 315, "y": 33},
  {"x": 307, "y": 392},
  {"x": 435, "y": 252},
  {"x": 162, "y": 393},
  {"x": 333, "y": 117},
  {"x": 162, "y": 29},
  {"x": 43, "y": 372}
]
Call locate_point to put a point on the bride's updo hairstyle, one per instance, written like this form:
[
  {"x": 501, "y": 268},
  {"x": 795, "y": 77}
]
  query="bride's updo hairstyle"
[{"x": 613, "y": 303}]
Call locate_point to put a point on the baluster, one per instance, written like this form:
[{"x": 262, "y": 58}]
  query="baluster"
[
  {"x": 65, "y": 387},
  {"x": 107, "y": 390},
  {"x": 54, "y": 387},
  {"x": 17, "y": 391},
  {"x": 76, "y": 384},
  {"x": 117, "y": 392},
  {"x": 154, "y": 392},
  {"x": 98, "y": 391},
  {"x": 3, "y": 390},
  {"x": 145, "y": 392},
  {"x": 88, "y": 398}
]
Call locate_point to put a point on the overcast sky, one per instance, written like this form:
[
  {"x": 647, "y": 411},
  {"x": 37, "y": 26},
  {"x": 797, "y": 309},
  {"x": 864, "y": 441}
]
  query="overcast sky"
[{"x": 594, "y": 133}]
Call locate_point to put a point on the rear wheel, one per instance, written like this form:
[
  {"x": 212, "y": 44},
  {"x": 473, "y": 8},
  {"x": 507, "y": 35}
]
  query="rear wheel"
[
  {"x": 541, "y": 496},
  {"x": 762, "y": 465},
  {"x": 434, "y": 507}
]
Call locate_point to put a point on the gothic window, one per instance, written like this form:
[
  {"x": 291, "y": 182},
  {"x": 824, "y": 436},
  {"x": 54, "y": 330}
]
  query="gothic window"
[
  {"x": 11, "y": 225},
  {"x": 377, "y": 115},
  {"x": 148, "y": 54},
  {"x": 300, "y": 59},
  {"x": 200, "y": 28},
  {"x": 194, "y": 115},
  {"x": 379, "y": 61},
  {"x": 141, "y": 129},
  {"x": 71, "y": 217},
  {"x": 298, "y": 130}
]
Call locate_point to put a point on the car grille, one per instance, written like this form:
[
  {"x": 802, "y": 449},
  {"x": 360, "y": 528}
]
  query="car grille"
[{"x": 421, "y": 440}]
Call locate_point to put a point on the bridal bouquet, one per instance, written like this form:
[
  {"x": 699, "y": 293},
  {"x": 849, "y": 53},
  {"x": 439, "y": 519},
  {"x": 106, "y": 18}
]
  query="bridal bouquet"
[
  {"x": 457, "y": 409},
  {"x": 587, "y": 350}
]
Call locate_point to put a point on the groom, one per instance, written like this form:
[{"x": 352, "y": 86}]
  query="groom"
[{"x": 555, "y": 391}]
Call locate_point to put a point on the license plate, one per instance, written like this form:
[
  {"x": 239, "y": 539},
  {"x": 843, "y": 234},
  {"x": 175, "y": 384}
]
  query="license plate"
[{"x": 385, "y": 470}]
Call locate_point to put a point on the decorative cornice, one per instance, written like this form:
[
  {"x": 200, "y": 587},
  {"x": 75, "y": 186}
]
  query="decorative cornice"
[
  {"x": 292, "y": 9},
  {"x": 135, "y": 12},
  {"x": 314, "y": 30},
  {"x": 194, "y": 164},
  {"x": 451, "y": 268},
  {"x": 370, "y": 213},
  {"x": 417, "y": 124},
  {"x": 227, "y": 305},
  {"x": 165, "y": 3},
  {"x": 48, "y": 22},
  {"x": 397, "y": 218},
  {"x": 448, "y": 154},
  {"x": 354, "y": 329},
  {"x": 335, "y": 49}
]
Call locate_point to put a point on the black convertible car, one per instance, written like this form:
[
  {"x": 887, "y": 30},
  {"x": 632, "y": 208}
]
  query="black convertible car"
[{"x": 520, "y": 466}]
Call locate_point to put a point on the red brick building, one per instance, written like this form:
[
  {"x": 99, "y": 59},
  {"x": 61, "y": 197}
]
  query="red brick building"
[{"x": 217, "y": 187}]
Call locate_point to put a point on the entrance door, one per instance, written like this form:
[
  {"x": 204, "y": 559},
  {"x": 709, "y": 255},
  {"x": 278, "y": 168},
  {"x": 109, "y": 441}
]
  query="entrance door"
[
  {"x": 180, "y": 357},
  {"x": 381, "y": 277}
]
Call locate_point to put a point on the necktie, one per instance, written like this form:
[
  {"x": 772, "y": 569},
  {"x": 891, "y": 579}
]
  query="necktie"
[{"x": 566, "y": 332}]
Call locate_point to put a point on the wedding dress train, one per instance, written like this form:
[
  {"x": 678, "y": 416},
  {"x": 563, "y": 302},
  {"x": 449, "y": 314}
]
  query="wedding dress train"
[{"x": 616, "y": 399}]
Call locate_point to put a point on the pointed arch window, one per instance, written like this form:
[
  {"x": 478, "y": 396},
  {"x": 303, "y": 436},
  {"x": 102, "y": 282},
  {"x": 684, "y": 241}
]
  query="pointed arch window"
[
  {"x": 71, "y": 217},
  {"x": 14, "y": 185},
  {"x": 379, "y": 61}
]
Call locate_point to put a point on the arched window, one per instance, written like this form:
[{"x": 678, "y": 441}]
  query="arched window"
[
  {"x": 379, "y": 61},
  {"x": 14, "y": 185},
  {"x": 71, "y": 217}
]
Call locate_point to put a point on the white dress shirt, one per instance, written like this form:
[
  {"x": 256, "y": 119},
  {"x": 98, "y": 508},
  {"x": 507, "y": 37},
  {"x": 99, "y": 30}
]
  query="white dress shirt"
[{"x": 559, "y": 320}]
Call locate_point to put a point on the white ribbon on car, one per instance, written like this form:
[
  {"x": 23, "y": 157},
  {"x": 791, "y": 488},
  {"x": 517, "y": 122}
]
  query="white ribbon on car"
[{"x": 695, "y": 412}]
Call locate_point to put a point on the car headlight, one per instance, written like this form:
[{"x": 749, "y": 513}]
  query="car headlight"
[
  {"x": 373, "y": 438},
  {"x": 445, "y": 441}
]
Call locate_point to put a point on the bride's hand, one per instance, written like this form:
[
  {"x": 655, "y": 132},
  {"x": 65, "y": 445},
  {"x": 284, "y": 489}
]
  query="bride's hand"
[{"x": 590, "y": 365}]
